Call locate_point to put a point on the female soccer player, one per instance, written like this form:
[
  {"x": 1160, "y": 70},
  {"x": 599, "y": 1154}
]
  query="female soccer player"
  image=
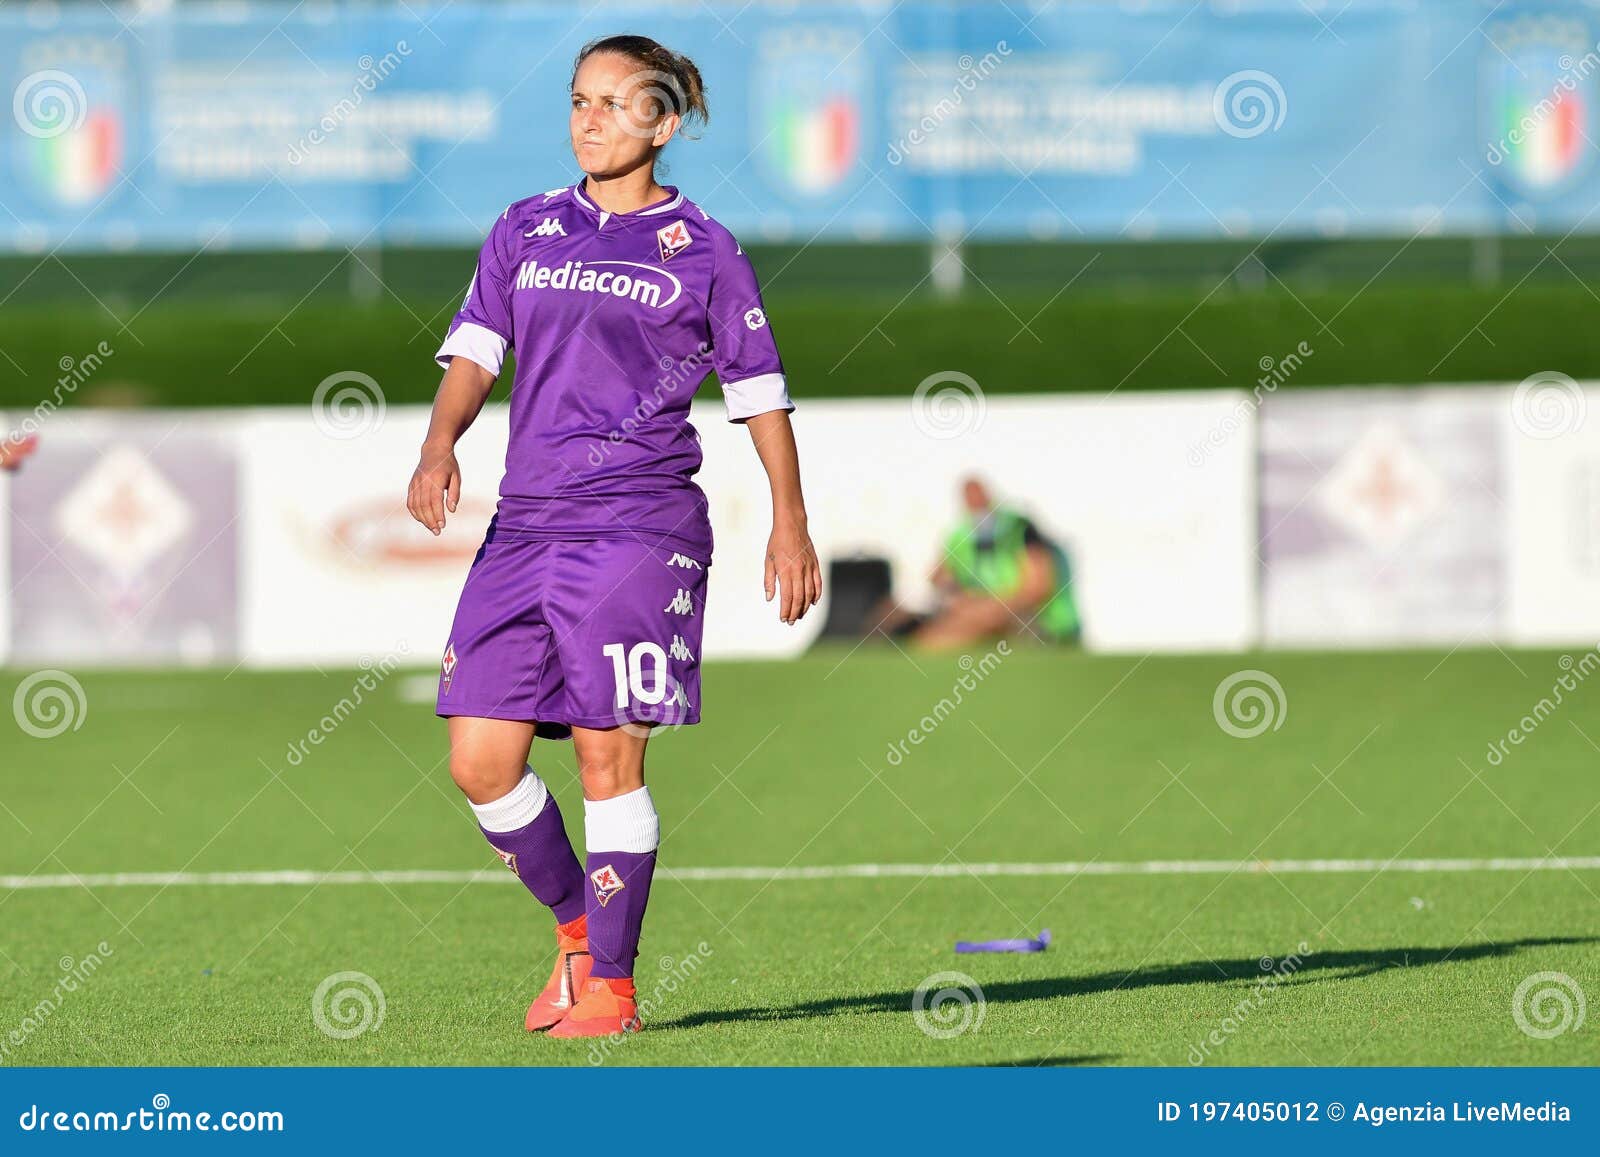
[{"x": 582, "y": 612}]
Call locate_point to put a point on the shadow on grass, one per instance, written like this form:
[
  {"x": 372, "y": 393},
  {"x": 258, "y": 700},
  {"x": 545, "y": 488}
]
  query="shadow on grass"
[{"x": 1313, "y": 967}]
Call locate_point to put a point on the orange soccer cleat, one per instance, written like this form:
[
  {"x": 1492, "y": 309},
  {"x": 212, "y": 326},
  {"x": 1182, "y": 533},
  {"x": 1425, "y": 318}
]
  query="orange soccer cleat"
[
  {"x": 604, "y": 1007},
  {"x": 571, "y": 972}
]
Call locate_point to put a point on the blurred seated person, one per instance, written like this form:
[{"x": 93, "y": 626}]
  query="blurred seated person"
[
  {"x": 13, "y": 449},
  {"x": 999, "y": 577}
]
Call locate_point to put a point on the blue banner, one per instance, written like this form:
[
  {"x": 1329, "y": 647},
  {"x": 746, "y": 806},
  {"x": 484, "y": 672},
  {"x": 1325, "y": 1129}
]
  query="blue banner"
[
  {"x": 318, "y": 125},
  {"x": 1049, "y": 1110}
]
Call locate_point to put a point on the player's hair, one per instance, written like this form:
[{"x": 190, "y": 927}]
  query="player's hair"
[{"x": 674, "y": 79}]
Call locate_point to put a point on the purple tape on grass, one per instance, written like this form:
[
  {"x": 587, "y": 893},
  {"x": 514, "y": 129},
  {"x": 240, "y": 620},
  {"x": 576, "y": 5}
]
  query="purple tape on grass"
[{"x": 1039, "y": 945}]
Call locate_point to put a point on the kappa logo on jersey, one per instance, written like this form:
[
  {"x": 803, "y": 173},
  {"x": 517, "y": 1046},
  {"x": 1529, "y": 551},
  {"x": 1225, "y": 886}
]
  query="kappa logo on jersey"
[
  {"x": 606, "y": 884},
  {"x": 447, "y": 668},
  {"x": 684, "y": 561},
  {"x": 549, "y": 227},
  {"x": 754, "y": 319},
  {"x": 509, "y": 858},
  {"x": 680, "y": 651},
  {"x": 674, "y": 239},
  {"x": 681, "y": 604}
]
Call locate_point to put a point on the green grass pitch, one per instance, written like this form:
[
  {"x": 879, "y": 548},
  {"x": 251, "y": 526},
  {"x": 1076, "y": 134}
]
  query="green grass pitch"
[{"x": 1052, "y": 757}]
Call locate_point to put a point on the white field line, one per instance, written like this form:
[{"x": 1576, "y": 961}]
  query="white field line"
[{"x": 305, "y": 878}]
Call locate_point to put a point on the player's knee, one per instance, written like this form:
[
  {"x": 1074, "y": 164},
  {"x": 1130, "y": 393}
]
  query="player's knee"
[
  {"x": 606, "y": 776},
  {"x": 483, "y": 780}
]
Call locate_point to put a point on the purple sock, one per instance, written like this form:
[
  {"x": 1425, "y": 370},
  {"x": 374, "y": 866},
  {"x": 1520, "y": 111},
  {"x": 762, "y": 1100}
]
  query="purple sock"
[
  {"x": 622, "y": 834},
  {"x": 525, "y": 828}
]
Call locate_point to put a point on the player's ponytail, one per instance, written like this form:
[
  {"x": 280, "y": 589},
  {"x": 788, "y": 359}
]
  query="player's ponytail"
[{"x": 672, "y": 78}]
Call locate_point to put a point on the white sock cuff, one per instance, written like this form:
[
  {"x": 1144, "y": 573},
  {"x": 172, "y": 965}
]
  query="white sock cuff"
[
  {"x": 516, "y": 809},
  {"x": 625, "y": 823}
]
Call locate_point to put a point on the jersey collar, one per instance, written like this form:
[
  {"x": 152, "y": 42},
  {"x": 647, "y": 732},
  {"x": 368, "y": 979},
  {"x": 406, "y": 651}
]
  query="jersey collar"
[{"x": 673, "y": 200}]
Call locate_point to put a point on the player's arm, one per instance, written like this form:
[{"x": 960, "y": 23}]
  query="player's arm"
[
  {"x": 1036, "y": 580},
  {"x": 436, "y": 482},
  {"x": 472, "y": 354},
  {"x": 792, "y": 570}
]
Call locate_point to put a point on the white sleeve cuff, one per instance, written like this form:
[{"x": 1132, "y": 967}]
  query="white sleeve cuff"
[
  {"x": 476, "y": 343},
  {"x": 758, "y": 395}
]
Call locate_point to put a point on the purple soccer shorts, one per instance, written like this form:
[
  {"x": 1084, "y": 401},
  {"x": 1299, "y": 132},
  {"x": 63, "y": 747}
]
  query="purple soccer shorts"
[{"x": 595, "y": 633}]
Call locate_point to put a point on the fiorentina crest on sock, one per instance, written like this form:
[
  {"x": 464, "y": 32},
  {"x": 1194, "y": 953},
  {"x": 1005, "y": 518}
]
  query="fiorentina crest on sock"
[
  {"x": 606, "y": 883},
  {"x": 510, "y": 859}
]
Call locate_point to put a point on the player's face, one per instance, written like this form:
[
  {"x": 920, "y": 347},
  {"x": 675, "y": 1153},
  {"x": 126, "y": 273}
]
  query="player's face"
[{"x": 618, "y": 119}]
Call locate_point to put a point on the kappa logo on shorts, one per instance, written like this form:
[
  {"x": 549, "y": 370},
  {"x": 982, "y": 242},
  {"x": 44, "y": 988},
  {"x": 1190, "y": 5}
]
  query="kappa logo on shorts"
[
  {"x": 447, "y": 669},
  {"x": 674, "y": 239},
  {"x": 680, "y": 697},
  {"x": 684, "y": 561},
  {"x": 680, "y": 650},
  {"x": 681, "y": 604},
  {"x": 606, "y": 884},
  {"x": 510, "y": 859}
]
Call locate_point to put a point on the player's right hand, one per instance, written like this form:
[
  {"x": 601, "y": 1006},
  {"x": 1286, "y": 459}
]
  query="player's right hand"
[{"x": 435, "y": 488}]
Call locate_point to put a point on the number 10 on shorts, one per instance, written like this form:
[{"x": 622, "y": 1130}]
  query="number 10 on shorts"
[{"x": 628, "y": 667}]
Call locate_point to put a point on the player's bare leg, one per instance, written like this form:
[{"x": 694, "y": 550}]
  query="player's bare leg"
[
  {"x": 968, "y": 620},
  {"x": 622, "y": 833},
  {"x": 520, "y": 819}
]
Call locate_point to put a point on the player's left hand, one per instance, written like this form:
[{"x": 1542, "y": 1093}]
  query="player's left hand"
[{"x": 792, "y": 571}]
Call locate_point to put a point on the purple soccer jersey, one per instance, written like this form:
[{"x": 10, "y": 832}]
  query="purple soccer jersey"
[
  {"x": 615, "y": 320},
  {"x": 585, "y": 605}
]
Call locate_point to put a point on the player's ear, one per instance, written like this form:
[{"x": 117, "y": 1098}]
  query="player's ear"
[{"x": 666, "y": 128}]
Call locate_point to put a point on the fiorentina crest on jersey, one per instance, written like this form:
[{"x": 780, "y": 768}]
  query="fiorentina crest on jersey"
[
  {"x": 447, "y": 671},
  {"x": 674, "y": 239},
  {"x": 606, "y": 883}
]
